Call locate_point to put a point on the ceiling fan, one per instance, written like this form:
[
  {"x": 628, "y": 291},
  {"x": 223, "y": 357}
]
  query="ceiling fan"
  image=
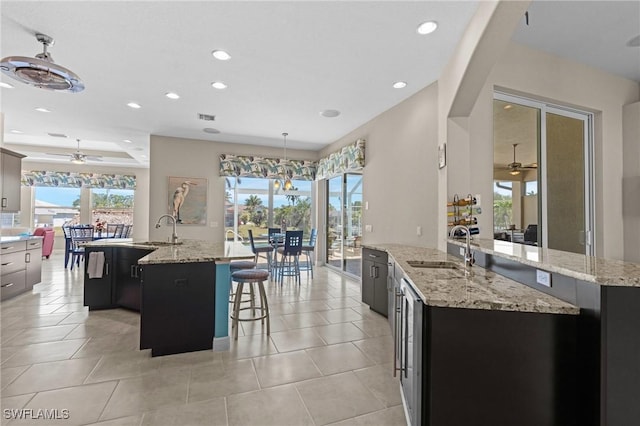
[
  {"x": 78, "y": 157},
  {"x": 516, "y": 167}
]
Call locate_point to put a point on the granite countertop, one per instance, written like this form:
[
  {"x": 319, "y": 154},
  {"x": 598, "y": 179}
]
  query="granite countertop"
[
  {"x": 186, "y": 251},
  {"x": 9, "y": 239},
  {"x": 606, "y": 272},
  {"x": 471, "y": 288}
]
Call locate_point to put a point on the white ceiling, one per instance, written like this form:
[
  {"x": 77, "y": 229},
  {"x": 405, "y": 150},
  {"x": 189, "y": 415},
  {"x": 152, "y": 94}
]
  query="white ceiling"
[{"x": 290, "y": 60}]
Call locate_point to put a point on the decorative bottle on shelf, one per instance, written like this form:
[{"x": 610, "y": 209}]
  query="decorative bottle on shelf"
[{"x": 283, "y": 226}]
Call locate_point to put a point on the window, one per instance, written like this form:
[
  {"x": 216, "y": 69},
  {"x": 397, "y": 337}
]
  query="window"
[
  {"x": 112, "y": 205},
  {"x": 531, "y": 188},
  {"x": 254, "y": 203},
  {"x": 502, "y": 206},
  {"x": 55, "y": 206}
]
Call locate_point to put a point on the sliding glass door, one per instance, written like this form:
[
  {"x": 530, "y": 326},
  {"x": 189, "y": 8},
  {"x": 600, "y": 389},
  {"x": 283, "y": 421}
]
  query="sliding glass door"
[
  {"x": 344, "y": 223},
  {"x": 550, "y": 171}
]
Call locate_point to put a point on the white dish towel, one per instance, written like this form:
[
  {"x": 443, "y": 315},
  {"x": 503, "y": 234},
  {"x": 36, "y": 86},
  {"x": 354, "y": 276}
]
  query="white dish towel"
[{"x": 96, "y": 264}]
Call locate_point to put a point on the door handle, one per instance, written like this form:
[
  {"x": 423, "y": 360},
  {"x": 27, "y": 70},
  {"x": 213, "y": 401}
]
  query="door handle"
[
  {"x": 406, "y": 342},
  {"x": 132, "y": 271},
  {"x": 27, "y": 257},
  {"x": 4, "y": 202},
  {"x": 7, "y": 264},
  {"x": 7, "y": 285},
  {"x": 106, "y": 268}
]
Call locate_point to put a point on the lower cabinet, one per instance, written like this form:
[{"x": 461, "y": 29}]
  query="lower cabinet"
[
  {"x": 177, "y": 311},
  {"x": 20, "y": 266},
  {"x": 374, "y": 280},
  {"x": 119, "y": 285}
]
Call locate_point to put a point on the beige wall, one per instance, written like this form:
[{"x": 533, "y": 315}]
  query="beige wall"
[
  {"x": 631, "y": 182},
  {"x": 199, "y": 159}
]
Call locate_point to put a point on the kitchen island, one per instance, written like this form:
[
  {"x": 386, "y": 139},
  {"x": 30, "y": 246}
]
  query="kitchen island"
[
  {"x": 479, "y": 348},
  {"x": 608, "y": 294},
  {"x": 184, "y": 290}
]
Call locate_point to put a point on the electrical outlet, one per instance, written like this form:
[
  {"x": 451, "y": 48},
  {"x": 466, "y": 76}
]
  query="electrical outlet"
[
  {"x": 213, "y": 224},
  {"x": 366, "y": 205},
  {"x": 543, "y": 278},
  {"x": 478, "y": 204},
  {"x": 419, "y": 230},
  {"x": 368, "y": 228}
]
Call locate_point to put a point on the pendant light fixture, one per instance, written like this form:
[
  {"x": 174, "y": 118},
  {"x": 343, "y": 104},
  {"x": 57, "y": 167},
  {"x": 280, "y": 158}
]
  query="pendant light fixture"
[{"x": 287, "y": 185}]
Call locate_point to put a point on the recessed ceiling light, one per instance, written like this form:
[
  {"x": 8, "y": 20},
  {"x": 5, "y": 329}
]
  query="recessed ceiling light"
[
  {"x": 508, "y": 106},
  {"x": 330, "y": 113},
  {"x": 57, "y": 135},
  {"x": 218, "y": 85},
  {"x": 399, "y": 85},
  {"x": 221, "y": 55},
  {"x": 210, "y": 130},
  {"x": 17, "y": 132},
  {"x": 427, "y": 27},
  {"x": 172, "y": 95},
  {"x": 143, "y": 156},
  {"x": 127, "y": 140},
  {"x": 40, "y": 109},
  {"x": 5, "y": 85},
  {"x": 134, "y": 105}
]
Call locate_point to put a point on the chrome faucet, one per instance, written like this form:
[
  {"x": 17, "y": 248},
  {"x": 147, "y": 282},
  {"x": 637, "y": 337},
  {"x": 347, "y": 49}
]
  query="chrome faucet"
[
  {"x": 468, "y": 254},
  {"x": 174, "y": 236}
]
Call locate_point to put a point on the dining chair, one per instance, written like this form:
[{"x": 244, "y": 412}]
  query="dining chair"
[
  {"x": 257, "y": 249},
  {"x": 79, "y": 236},
  {"x": 289, "y": 264},
  {"x": 127, "y": 231},
  {"x": 67, "y": 243},
  {"x": 308, "y": 249},
  {"x": 114, "y": 230}
]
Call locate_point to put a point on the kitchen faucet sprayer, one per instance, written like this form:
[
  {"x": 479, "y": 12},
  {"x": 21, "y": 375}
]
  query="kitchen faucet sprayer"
[
  {"x": 174, "y": 235},
  {"x": 468, "y": 254}
]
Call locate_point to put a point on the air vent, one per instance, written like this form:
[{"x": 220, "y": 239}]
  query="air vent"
[
  {"x": 57, "y": 135},
  {"x": 206, "y": 117}
]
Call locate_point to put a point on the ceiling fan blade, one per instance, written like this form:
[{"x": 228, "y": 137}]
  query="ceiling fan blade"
[
  {"x": 93, "y": 157},
  {"x": 59, "y": 155}
]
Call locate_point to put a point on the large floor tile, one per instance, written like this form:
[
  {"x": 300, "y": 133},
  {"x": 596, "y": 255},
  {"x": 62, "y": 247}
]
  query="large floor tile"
[
  {"x": 215, "y": 380},
  {"x": 338, "y": 358},
  {"x": 393, "y": 416},
  {"x": 303, "y": 319},
  {"x": 284, "y": 368},
  {"x": 84, "y": 404},
  {"x": 340, "y": 332},
  {"x": 378, "y": 349},
  {"x": 9, "y": 374},
  {"x": 268, "y": 407},
  {"x": 374, "y": 328},
  {"x": 250, "y": 346},
  {"x": 294, "y": 340},
  {"x": 380, "y": 381},
  {"x": 148, "y": 392},
  {"x": 41, "y": 334},
  {"x": 338, "y": 397},
  {"x": 123, "y": 365},
  {"x": 212, "y": 412},
  {"x": 120, "y": 421},
  {"x": 44, "y": 352},
  {"x": 341, "y": 315},
  {"x": 110, "y": 344},
  {"x": 51, "y": 375}
]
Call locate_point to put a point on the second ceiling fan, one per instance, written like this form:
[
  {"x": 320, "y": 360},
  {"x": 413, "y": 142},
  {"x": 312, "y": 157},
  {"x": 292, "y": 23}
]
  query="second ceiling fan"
[
  {"x": 78, "y": 157},
  {"x": 516, "y": 167}
]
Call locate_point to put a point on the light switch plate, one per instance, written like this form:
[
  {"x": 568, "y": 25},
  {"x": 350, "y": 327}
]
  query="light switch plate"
[
  {"x": 368, "y": 228},
  {"x": 461, "y": 251},
  {"x": 543, "y": 278}
]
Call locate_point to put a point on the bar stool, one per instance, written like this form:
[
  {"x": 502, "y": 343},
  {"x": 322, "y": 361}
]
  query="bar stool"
[
  {"x": 250, "y": 276},
  {"x": 238, "y": 266}
]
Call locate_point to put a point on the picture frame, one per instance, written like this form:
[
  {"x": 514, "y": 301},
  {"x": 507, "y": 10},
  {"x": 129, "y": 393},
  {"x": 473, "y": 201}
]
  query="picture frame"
[
  {"x": 442, "y": 155},
  {"x": 187, "y": 200}
]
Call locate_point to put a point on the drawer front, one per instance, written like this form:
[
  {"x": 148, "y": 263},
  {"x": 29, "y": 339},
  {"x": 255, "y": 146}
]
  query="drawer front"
[
  {"x": 13, "y": 247},
  {"x": 374, "y": 255},
  {"x": 34, "y": 244},
  {"x": 12, "y": 262},
  {"x": 12, "y": 284}
]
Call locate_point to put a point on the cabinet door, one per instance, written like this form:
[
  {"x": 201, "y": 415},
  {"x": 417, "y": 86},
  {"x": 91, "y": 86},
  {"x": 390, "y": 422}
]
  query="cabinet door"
[
  {"x": 127, "y": 277},
  {"x": 98, "y": 292},
  {"x": 33, "y": 260},
  {"x": 380, "y": 295},
  {"x": 11, "y": 171},
  {"x": 367, "y": 281}
]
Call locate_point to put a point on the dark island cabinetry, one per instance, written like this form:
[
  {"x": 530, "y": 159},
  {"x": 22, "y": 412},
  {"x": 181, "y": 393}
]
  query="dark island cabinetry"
[
  {"x": 374, "y": 280},
  {"x": 119, "y": 285},
  {"x": 177, "y": 307}
]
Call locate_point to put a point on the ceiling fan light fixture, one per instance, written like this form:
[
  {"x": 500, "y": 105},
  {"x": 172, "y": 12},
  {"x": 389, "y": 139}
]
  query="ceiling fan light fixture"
[
  {"x": 41, "y": 71},
  {"x": 514, "y": 172},
  {"x": 78, "y": 159}
]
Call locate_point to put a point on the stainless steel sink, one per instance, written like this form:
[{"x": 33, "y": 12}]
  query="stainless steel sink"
[{"x": 433, "y": 264}]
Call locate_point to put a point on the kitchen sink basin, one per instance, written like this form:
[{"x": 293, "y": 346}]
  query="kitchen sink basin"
[{"x": 433, "y": 264}]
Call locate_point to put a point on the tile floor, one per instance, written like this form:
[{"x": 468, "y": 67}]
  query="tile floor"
[{"x": 327, "y": 361}]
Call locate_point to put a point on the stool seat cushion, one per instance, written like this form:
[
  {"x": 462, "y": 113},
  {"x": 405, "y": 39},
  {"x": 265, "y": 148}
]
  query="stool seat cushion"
[
  {"x": 250, "y": 275},
  {"x": 242, "y": 264}
]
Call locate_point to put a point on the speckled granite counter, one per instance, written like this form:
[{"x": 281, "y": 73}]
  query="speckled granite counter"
[
  {"x": 187, "y": 251},
  {"x": 587, "y": 268},
  {"x": 474, "y": 288}
]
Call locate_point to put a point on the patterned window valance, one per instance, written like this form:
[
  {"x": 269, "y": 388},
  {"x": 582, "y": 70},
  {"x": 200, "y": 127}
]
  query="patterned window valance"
[
  {"x": 77, "y": 180},
  {"x": 349, "y": 159},
  {"x": 273, "y": 168}
]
